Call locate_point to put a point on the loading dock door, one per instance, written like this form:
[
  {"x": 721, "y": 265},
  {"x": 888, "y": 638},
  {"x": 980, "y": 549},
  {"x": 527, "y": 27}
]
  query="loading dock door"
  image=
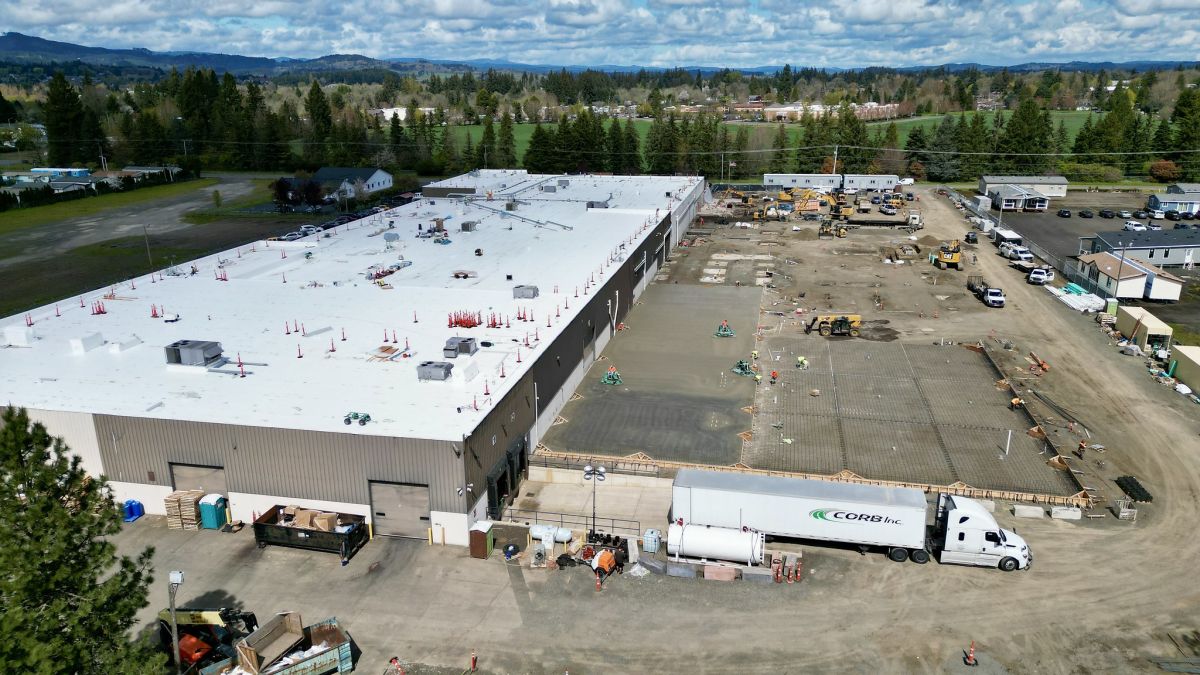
[
  {"x": 400, "y": 509},
  {"x": 210, "y": 479}
]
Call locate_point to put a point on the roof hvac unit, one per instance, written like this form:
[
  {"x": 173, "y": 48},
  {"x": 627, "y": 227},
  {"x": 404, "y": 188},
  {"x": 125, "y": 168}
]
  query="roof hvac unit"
[
  {"x": 525, "y": 292},
  {"x": 193, "y": 352},
  {"x": 459, "y": 345},
  {"x": 549, "y": 188},
  {"x": 510, "y": 206},
  {"x": 563, "y": 182},
  {"x": 597, "y": 205},
  {"x": 434, "y": 370},
  {"x": 469, "y": 225}
]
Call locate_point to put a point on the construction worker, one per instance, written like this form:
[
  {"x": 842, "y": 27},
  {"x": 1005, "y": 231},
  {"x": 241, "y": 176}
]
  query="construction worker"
[
  {"x": 754, "y": 354},
  {"x": 774, "y": 376},
  {"x": 802, "y": 362},
  {"x": 1015, "y": 403},
  {"x": 758, "y": 379},
  {"x": 1081, "y": 449}
]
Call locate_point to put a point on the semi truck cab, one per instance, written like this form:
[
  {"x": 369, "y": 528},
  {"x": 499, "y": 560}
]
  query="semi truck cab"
[{"x": 969, "y": 535}]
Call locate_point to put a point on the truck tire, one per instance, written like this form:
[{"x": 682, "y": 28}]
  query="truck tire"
[
  {"x": 919, "y": 556},
  {"x": 1008, "y": 564},
  {"x": 853, "y": 332},
  {"x": 898, "y": 554},
  {"x": 826, "y": 330}
]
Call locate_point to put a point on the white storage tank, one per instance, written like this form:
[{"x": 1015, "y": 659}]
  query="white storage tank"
[{"x": 717, "y": 543}]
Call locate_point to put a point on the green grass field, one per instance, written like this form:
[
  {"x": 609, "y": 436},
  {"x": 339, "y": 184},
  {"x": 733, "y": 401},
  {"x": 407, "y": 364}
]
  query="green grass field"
[{"x": 89, "y": 206}]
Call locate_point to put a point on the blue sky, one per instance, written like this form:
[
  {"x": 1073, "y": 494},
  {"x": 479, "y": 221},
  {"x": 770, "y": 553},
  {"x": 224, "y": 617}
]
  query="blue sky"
[{"x": 735, "y": 33}]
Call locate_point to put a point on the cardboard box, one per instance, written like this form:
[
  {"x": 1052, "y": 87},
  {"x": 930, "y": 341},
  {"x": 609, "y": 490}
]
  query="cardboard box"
[
  {"x": 324, "y": 522},
  {"x": 304, "y": 518}
]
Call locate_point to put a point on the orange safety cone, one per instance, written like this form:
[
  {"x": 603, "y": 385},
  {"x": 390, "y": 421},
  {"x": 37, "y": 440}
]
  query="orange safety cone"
[{"x": 969, "y": 659}]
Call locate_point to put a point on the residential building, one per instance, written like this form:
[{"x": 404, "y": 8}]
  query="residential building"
[
  {"x": 214, "y": 396},
  {"x": 345, "y": 183},
  {"x": 1158, "y": 248},
  {"x": 1016, "y": 198},
  {"x": 1136, "y": 278},
  {"x": 1181, "y": 197}
]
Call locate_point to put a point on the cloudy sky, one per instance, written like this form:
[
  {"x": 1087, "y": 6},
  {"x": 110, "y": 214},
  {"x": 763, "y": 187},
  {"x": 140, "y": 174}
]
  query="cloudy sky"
[{"x": 736, "y": 33}]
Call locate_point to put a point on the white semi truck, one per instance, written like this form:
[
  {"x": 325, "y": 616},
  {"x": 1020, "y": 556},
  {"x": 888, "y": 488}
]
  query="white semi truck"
[{"x": 893, "y": 519}]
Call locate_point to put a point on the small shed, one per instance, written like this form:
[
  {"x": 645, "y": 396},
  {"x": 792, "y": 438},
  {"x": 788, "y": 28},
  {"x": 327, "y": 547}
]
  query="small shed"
[
  {"x": 1143, "y": 328},
  {"x": 1187, "y": 365}
]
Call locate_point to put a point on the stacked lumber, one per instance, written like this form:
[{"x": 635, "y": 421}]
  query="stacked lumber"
[{"x": 183, "y": 509}]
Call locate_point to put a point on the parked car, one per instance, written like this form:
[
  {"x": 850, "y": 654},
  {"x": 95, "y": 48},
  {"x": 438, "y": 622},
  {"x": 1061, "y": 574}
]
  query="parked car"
[
  {"x": 887, "y": 210},
  {"x": 1107, "y": 213},
  {"x": 1140, "y": 214},
  {"x": 1172, "y": 215},
  {"x": 1158, "y": 214},
  {"x": 1187, "y": 215},
  {"x": 876, "y": 199},
  {"x": 1040, "y": 276},
  {"x": 1127, "y": 215},
  {"x": 908, "y": 196},
  {"x": 971, "y": 237},
  {"x": 1133, "y": 226},
  {"x": 1182, "y": 226},
  {"x": 1153, "y": 226},
  {"x": 1064, "y": 213},
  {"x": 291, "y": 236},
  {"x": 1086, "y": 213}
]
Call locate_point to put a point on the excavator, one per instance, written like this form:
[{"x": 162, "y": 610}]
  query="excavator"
[
  {"x": 835, "y": 324},
  {"x": 949, "y": 255}
]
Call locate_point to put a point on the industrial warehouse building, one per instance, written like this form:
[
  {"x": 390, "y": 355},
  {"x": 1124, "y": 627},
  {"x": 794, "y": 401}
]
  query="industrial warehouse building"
[{"x": 460, "y": 323}]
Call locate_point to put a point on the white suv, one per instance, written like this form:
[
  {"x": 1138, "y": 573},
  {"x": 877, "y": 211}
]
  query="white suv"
[
  {"x": 1134, "y": 226},
  {"x": 1019, "y": 253},
  {"x": 1158, "y": 215},
  {"x": 1040, "y": 276}
]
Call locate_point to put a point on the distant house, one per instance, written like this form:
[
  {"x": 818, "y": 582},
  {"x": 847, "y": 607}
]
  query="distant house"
[
  {"x": 1181, "y": 197},
  {"x": 344, "y": 182},
  {"x": 140, "y": 172}
]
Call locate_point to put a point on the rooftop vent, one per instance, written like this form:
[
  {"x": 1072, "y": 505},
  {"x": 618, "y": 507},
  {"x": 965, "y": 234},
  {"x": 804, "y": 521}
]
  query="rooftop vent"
[
  {"x": 524, "y": 292},
  {"x": 459, "y": 345},
  {"x": 193, "y": 352},
  {"x": 434, "y": 370},
  {"x": 563, "y": 182},
  {"x": 469, "y": 225},
  {"x": 549, "y": 188},
  {"x": 510, "y": 206},
  {"x": 597, "y": 205}
]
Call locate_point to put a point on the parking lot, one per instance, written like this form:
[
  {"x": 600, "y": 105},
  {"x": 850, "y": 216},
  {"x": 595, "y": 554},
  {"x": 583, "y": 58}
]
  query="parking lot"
[{"x": 1060, "y": 236}]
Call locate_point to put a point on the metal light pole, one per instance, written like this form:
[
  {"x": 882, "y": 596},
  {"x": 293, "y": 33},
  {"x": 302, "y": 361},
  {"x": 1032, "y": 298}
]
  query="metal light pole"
[
  {"x": 176, "y": 580},
  {"x": 1120, "y": 268},
  {"x": 595, "y": 475}
]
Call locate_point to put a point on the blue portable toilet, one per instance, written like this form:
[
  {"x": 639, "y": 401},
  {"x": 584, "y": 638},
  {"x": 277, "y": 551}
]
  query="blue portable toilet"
[{"x": 212, "y": 512}]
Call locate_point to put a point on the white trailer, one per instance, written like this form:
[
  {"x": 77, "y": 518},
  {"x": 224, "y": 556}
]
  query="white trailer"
[{"x": 868, "y": 516}]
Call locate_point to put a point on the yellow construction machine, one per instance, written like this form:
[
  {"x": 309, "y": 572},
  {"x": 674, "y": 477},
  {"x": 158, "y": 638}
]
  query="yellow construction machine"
[
  {"x": 835, "y": 324},
  {"x": 948, "y": 255},
  {"x": 786, "y": 196},
  {"x": 827, "y": 230}
]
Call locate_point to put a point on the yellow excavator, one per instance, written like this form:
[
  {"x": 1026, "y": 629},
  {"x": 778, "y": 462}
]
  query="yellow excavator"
[
  {"x": 827, "y": 230},
  {"x": 835, "y": 324},
  {"x": 949, "y": 255}
]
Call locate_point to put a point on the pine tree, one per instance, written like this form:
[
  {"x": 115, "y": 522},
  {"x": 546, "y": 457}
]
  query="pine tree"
[
  {"x": 915, "y": 144},
  {"x": 63, "y": 114},
  {"x": 1185, "y": 118},
  {"x": 1026, "y": 136},
  {"x": 320, "y": 119},
  {"x": 614, "y": 145},
  {"x": 891, "y": 159},
  {"x": 67, "y": 600},
  {"x": 940, "y": 163},
  {"x": 1164, "y": 137},
  {"x": 741, "y": 143},
  {"x": 506, "y": 144},
  {"x": 779, "y": 157},
  {"x": 8, "y": 111},
  {"x": 538, "y": 156},
  {"x": 485, "y": 152},
  {"x": 631, "y": 155}
]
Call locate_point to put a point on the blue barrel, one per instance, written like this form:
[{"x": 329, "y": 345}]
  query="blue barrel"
[
  {"x": 212, "y": 512},
  {"x": 131, "y": 510}
]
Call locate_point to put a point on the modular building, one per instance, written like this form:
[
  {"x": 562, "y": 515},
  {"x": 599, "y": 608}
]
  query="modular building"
[
  {"x": 1046, "y": 186},
  {"x": 832, "y": 181},
  {"x": 1017, "y": 198},
  {"x": 1181, "y": 197},
  {"x": 1157, "y": 248},
  {"x": 1143, "y": 328},
  {"x": 1137, "y": 279},
  {"x": 398, "y": 367}
]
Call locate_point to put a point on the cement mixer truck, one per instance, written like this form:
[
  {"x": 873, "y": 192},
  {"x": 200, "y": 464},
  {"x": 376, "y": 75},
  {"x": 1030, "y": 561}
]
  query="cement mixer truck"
[{"x": 713, "y": 511}]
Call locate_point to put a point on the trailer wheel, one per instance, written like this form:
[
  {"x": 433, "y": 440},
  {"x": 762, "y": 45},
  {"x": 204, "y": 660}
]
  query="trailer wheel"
[
  {"x": 1008, "y": 564},
  {"x": 898, "y": 555},
  {"x": 919, "y": 556}
]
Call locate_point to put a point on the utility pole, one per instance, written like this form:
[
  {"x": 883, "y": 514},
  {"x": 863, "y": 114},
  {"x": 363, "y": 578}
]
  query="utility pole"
[
  {"x": 146, "y": 236},
  {"x": 835, "y": 154}
]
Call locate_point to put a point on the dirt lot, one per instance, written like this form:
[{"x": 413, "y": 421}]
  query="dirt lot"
[{"x": 43, "y": 263}]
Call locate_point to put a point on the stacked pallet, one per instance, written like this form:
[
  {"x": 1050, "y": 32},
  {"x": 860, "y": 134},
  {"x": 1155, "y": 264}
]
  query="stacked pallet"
[{"x": 183, "y": 509}]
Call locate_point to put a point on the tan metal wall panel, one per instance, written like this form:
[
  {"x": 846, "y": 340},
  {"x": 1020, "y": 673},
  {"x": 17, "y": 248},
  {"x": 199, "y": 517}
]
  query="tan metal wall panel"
[{"x": 286, "y": 462}]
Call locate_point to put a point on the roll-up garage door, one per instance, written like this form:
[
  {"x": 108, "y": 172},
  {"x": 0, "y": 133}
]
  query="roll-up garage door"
[{"x": 400, "y": 509}]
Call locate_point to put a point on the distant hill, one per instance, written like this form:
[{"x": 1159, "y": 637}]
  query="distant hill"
[{"x": 30, "y": 49}]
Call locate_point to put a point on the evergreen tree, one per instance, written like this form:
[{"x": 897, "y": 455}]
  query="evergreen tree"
[
  {"x": 660, "y": 147},
  {"x": 539, "y": 155},
  {"x": 741, "y": 143},
  {"x": 485, "y": 153},
  {"x": 1085, "y": 141},
  {"x": 67, "y": 599},
  {"x": 631, "y": 156},
  {"x": 1026, "y": 135},
  {"x": 63, "y": 115},
  {"x": 779, "y": 157},
  {"x": 506, "y": 144},
  {"x": 917, "y": 142},
  {"x": 8, "y": 111},
  {"x": 1185, "y": 118},
  {"x": 320, "y": 120},
  {"x": 1164, "y": 137},
  {"x": 1062, "y": 139},
  {"x": 614, "y": 147},
  {"x": 852, "y": 134},
  {"x": 468, "y": 154},
  {"x": 891, "y": 159},
  {"x": 940, "y": 164}
]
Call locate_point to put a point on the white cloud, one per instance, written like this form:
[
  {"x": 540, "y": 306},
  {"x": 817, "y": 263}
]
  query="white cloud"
[{"x": 734, "y": 33}]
